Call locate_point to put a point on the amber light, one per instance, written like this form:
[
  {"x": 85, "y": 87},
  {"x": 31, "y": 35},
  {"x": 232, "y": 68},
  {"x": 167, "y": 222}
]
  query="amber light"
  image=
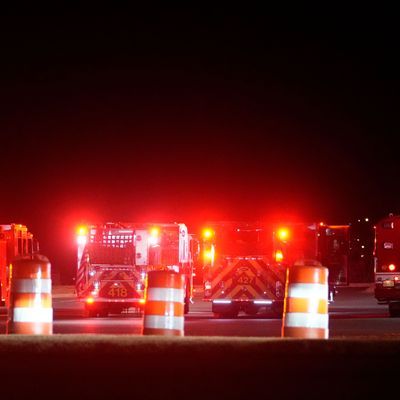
[
  {"x": 154, "y": 234},
  {"x": 155, "y": 231},
  {"x": 142, "y": 301},
  {"x": 283, "y": 234},
  {"x": 208, "y": 233},
  {"x": 278, "y": 256},
  {"x": 82, "y": 230},
  {"x": 392, "y": 267},
  {"x": 90, "y": 300}
]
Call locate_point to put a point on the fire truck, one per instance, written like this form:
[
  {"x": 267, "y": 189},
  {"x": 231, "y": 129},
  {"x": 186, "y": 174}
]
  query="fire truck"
[
  {"x": 15, "y": 240},
  {"x": 245, "y": 264},
  {"x": 328, "y": 244},
  {"x": 114, "y": 258},
  {"x": 239, "y": 269},
  {"x": 387, "y": 263}
]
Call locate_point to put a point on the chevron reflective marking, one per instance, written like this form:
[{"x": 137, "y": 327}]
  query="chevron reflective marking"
[
  {"x": 239, "y": 291},
  {"x": 221, "y": 275},
  {"x": 262, "y": 276},
  {"x": 217, "y": 293},
  {"x": 233, "y": 290},
  {"x": 228, "y": 285}
]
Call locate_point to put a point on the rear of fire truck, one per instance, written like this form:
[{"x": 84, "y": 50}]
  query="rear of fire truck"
[
  {"x": 387, "y": 263},
  {"x": 15, "y": 241},
  {"x": 113, "y": 261},
  {"x": 108, "y": 279},
  {"x": 239, "y": 269}
]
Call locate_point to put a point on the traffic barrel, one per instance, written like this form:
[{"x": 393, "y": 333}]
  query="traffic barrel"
[
  {"x": 30, "y": 311},
  {"x": 164, "y": 308},
  {"x": 305, "y": 313}
]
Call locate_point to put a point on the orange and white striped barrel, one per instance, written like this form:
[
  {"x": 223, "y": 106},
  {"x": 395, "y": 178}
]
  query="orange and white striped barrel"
[
  {"x": 30, "y": 310},
  {"x": 164, "y": 308},
  {"x": 305, "y": 312}
]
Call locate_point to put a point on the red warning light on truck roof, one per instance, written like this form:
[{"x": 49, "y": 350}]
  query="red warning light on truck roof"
[
  {"x": 283, "y": 233},
  {"x": 82, "y": 230},
  {"x": 208, "y": 233}
]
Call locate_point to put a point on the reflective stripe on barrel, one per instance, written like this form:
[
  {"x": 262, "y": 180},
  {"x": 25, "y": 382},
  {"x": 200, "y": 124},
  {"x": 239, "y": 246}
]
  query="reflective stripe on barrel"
[
  {"x": 164, "y": 309},
  {"x": 31, "y": 309},
  {"x": 306, "y": 302}
]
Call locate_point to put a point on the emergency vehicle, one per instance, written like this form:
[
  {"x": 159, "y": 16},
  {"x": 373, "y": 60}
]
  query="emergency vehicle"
[
  {"x": 328, "y": 244},
  {"x": 15, "y": 240},
  {"x": 244, "y": 264},
  {"x": 114, "y": 258},
  {"x": 387, "y": 263},
  {"x": 239, "y": 269}
]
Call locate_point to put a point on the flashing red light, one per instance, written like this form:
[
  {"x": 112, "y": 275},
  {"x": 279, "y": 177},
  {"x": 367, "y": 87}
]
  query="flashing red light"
[
  {"x": 278, "y": 256},
  {"x": 82, "y": 230},
  {"x": 392, "y": 267},
  {"x": 154, "y": 236},
  {"x": 283, "y": 234},
  {"x": 155, "y": 231},
  {"x": 208, "y": 233}
]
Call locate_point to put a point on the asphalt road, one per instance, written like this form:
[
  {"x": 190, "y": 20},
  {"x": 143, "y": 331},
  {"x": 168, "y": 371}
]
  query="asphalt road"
[{"x": 354, "y": 313}]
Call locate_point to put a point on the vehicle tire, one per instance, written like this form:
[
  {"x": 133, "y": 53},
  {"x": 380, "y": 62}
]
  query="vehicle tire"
[
  {"x": 226, "y": 315},
  {"x": 251, "y": 310},
  {"x": 103, "y": 313},
  {"x": 277, "y": 309},
  {"x": 90, "y": 313}
]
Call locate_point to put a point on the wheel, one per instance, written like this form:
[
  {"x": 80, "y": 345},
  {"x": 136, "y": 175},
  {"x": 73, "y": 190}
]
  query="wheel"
[
  {"x": 226, "y": 315},
  {"x": 103, "y": 313},
  {"x": 277, "y": 309},
  {"x": 251, "y": 310},
  {"x": 90, "y": 313}
]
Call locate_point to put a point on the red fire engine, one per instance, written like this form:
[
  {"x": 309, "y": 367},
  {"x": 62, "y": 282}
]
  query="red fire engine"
[
  {"x": 15, "y": 240},
  {"x": 387, "y": 263},
  {"x": 239, "y": 270},
  {"x": 328, "y": 244},
  {"x": 114, "y": 258},
  {"x": 244, "y": 265}
]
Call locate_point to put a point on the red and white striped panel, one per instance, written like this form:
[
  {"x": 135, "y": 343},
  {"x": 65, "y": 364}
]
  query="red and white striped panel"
[
  {"x": 31, "y": 309},
  {"x": 164, "y": 309},
  {"x": 306, "y": 302}
]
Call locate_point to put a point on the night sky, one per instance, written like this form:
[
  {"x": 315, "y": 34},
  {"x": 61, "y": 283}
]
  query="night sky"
[{"x": 177, "y": 117}]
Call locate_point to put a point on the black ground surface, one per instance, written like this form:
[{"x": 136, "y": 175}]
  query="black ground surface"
[{"x": 110, "y": 367}]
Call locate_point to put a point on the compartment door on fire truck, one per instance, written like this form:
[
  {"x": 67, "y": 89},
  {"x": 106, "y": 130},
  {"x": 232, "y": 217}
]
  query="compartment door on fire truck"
[{"x": 141, "y": 246}]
